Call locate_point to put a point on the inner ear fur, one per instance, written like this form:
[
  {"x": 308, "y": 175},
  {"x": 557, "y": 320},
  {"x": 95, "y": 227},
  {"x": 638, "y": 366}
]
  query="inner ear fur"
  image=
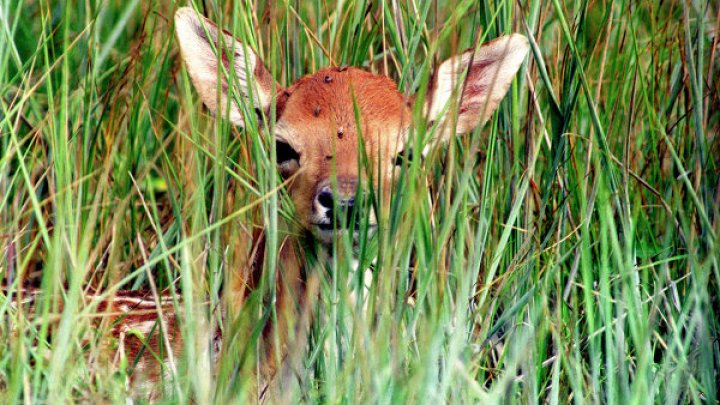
[
  {"x": 490, "y": 70},
  {"x": 202, "y": 47}
]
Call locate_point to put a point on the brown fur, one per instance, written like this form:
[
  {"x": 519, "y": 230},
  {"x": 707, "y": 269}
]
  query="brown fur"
[{"x": 384, "y": 117}]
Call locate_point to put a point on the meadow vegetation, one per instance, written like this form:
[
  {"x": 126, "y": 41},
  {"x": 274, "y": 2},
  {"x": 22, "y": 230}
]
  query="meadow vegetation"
[{"x": 565, "y": 252}]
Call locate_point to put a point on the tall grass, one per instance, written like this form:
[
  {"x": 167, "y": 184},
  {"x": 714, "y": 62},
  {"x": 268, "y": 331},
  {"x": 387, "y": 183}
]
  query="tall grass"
[{"x": 566, "y": 252}]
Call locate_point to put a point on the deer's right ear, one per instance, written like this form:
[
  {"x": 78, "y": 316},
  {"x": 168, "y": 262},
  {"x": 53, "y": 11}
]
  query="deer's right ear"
[
  {"x": 202, "y": 46},
  {"x": 490, "y": 71}
]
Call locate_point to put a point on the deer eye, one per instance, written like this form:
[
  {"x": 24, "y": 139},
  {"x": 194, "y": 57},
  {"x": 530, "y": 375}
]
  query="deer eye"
[
  {"x": 288, "y": 159},
  {"x": 403, "y": 156}
]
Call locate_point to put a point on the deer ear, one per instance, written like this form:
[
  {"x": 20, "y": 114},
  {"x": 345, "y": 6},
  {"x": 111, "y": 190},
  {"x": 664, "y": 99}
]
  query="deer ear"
[
  {"x": 203, "y": 46},
  {"x": 490, "y": 70}
]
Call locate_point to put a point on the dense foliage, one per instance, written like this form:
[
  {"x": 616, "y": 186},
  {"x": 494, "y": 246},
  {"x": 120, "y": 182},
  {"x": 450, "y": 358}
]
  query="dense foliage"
[{"x": 566, "y": 252}]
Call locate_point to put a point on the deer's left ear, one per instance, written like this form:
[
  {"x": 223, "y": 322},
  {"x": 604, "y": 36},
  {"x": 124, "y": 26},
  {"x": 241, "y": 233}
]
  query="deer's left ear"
[
  {"x": 204, "y": 46},
  {"x": 489, "y": 73}
]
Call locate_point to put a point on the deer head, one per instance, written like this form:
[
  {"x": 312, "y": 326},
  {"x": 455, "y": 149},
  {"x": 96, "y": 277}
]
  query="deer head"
[{"x": 317, "y": 136}]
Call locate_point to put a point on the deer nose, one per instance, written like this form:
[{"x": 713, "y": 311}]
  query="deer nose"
[
  {"x": 332, "y": 204},
  {"x": 326, "y": 199}
]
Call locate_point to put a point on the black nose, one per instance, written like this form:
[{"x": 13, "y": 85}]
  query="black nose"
[
  {"x": 325, "y": 198},
  {"x": 330, "y": 201}
]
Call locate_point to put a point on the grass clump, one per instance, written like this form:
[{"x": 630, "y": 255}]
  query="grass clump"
[{"x": 566, "y": 252}]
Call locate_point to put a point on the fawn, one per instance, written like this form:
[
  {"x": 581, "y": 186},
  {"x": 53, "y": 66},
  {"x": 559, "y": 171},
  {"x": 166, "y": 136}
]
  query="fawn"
[{"x": 318, "y": 140}]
